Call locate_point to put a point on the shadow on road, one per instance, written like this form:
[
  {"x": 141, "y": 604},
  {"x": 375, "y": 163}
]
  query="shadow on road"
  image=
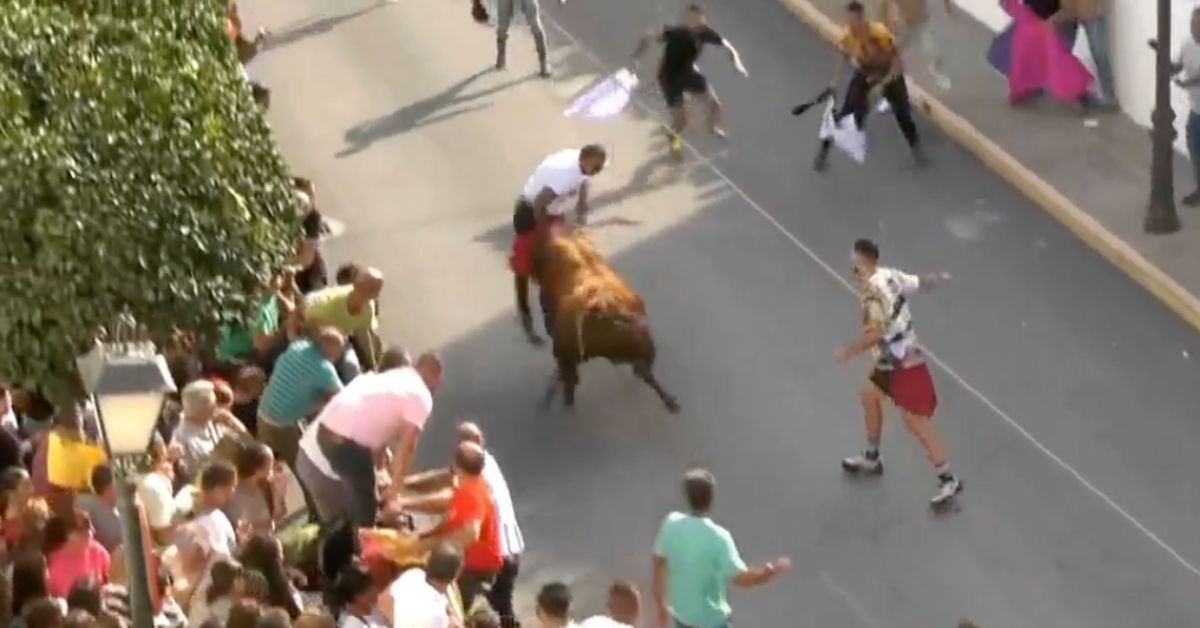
[
  {"x": 313, "y": 26},
  {"x": 448, "y": 104}
]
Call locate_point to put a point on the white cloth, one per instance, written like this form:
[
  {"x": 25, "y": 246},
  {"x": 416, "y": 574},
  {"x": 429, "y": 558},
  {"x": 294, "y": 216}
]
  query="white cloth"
[
  {"x": 607, "y": 99},
  {"x": 511, "y": 541},
  {"x": 891, "y": 287},
  {"x": 416, "y": 604},
  {"x": 158, "y": 499},
  {"x": 845, "y": 134},
  {"x": 1189, "y": 58},
  {"x": 561, "y": 173}
]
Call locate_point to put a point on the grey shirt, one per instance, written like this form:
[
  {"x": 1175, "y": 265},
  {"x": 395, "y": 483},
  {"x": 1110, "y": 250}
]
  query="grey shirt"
[{"x": 105, "y": 519}]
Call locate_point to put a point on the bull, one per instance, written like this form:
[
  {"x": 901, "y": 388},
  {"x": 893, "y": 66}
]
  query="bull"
[{"x": 591, "y": 312}]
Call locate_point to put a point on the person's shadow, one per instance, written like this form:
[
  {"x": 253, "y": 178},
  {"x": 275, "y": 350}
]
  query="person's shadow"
[{"x": 440, "y": 107}]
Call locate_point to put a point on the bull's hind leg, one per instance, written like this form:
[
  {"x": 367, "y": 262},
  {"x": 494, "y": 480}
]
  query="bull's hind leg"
[
  {"x": 646, "y": 373},
  {"x": 521, "y": 290},
  {"x": 569, "y": 373}
]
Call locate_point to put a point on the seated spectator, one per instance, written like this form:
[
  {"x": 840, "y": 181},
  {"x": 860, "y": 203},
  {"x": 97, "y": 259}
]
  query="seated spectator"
[
  {"x": 81, "y": 556},
  {"x": 85, "y": 596},
  {"x": 215, "y": 597},
  {"x": 43, "y": 613},
  {"x": 353, "y": 598},
  {"x": 426, "y": 598},
  {"x": 248, "y": 384},
  {"x": 156, "y": 492},
  {"x": 311, "y": 619},
  {"x": 275, "y": 617},
  {"x": 255, "y": 587},
  {"x": 244, "y": 614},
  {"x": 101, "y": 505},
  {"x": 202, "y": 426},
  {"x": 258, "y": 499},
  {"x": 29, "y": 582},
  {"x": 218, "y": 482},
  {"x": 189, "y": 560},
  {"x": 624, "y": 608},
  {"x": 554, "y": 606},
  {"x": 264, "y": 554},
  {"x": 79, "y": 618}
]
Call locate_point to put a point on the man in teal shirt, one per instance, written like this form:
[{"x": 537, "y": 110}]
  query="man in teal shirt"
[{"x": 695, "y": 560}]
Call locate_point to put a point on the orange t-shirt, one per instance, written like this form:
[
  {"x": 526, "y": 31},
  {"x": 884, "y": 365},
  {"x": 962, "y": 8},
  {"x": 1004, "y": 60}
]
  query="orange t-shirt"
[{"x": 472, "y": 502}]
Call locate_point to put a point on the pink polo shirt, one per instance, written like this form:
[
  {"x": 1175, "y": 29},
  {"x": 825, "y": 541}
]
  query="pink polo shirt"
[{"x": 373, "y": 407}]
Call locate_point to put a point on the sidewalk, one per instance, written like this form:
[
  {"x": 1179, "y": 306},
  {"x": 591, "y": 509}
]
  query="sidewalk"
[{"x": 1094, "y": 179}]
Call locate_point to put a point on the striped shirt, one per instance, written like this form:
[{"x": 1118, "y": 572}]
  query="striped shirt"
[
  {"x": 302, "y": 378},
  {"x": 885, "y": 303},
  {"x": 511, "y": 541}
]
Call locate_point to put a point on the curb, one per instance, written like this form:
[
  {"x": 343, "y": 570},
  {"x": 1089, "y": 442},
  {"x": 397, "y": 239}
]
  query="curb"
[{"x": 1118, "y": 252}]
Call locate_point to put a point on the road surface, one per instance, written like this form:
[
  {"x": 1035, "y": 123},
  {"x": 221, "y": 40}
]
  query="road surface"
[{"x": 1067, "y": 393}]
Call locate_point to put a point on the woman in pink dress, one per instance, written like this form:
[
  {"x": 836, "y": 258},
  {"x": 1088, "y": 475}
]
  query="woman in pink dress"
[{"x": 80, "y": 556}]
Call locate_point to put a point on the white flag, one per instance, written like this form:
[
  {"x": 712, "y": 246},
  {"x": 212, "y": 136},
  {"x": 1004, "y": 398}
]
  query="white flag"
[
  {"x": 607, "y": 99},
  {"x": 845, "y": 134}
]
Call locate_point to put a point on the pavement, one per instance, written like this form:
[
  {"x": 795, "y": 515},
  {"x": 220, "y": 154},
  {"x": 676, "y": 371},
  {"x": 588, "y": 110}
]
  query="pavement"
[
  {"x": 1067, "y": 391},
  {"x": 1090, "y": 171}
]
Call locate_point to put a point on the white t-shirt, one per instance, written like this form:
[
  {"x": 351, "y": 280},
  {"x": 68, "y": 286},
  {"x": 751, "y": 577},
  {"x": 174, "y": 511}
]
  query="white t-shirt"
[
  {"x": 1189, "y": 58},
  {"x": 559, "y": 172},
  {"x": 221, "y": 536},
  {"x": 416, "y": 604},
  {"x": 158, "y": 499},
  {"x": 892, "y": 287},
  {"x": 602, "y": 621},
  {"x": 511, "y": 541}
]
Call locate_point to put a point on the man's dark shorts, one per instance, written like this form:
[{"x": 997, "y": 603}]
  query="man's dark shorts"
[{"x": 674, "y": 86}]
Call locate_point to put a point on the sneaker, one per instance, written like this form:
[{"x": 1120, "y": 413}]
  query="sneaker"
[
  {"x": 1191, "y": 200},
  {"x": 947, "y": 489},
  {"x": 862, "y": 465}
]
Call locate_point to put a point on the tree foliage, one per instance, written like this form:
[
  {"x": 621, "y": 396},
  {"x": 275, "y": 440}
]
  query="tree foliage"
[{"x": 136, "y": 175}]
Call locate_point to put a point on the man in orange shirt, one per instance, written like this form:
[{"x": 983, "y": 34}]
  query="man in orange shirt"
[{"x": 471, "y": 523}]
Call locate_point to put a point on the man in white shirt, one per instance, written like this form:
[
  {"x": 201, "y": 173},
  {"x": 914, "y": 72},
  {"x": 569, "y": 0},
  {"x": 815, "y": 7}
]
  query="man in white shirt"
[
  {"x": 420, "y": 598},
  {"x": 624, "y": 608},
  {"x": 559, "y": 179},
  {"x": 900, "y": 371},
  {"x": 511, "y": 542},
  {"x": 1187, "y": 66},
  {"x": 554, "y": 606}
]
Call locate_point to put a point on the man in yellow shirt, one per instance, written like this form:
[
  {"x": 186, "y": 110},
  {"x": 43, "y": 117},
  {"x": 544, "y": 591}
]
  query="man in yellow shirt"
[
  {"x": 872, "y": 51},
  {"x": 351, "y": 309}
]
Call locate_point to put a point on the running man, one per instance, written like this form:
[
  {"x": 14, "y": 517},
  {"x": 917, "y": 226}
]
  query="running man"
[
  {"x": 544, "y": 200},
  {"x": 872, "y": 50},
  {"x": 900, "y": 371},
  {"x": 678, "y": 74},
  {"x": 533, "y": 17}
]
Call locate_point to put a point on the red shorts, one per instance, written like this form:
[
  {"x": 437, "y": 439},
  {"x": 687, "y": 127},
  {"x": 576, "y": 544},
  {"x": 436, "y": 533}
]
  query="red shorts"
[
  {"x": 521, "y": 259},
  {"x": 911, "y": 388}
]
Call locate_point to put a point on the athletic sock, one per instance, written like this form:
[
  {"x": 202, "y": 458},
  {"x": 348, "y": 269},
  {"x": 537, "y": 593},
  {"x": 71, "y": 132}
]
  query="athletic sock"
[
  {"x": 943, "y": 472},
  {"x": 872, "y": 450}
]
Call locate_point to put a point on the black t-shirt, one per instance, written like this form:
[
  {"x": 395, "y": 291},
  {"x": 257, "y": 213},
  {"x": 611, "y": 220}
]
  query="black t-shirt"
[
  {"x": 315, "y": 276},
  {"x": 682, "y": 46}
]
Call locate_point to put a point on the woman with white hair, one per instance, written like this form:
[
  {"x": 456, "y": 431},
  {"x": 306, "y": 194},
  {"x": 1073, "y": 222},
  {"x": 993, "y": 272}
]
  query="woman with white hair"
[{"x": 202, "y": 426}]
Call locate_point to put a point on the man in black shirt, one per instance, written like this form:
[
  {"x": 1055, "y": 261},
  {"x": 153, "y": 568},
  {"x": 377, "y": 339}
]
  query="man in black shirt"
[{"x": 678, "y": 74}]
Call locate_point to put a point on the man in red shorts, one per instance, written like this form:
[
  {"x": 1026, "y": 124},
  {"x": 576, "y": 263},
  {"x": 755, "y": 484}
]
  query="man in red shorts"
[
  {"x": 561, "y": 177},
  {"x": 900, "y": 371}
]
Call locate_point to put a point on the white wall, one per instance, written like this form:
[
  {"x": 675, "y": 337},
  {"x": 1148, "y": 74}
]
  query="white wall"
[{"x": 1131, "y": 24}]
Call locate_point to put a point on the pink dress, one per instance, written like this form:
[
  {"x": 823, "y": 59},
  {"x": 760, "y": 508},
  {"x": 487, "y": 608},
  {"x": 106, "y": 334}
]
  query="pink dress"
[
  {"x": 1040, "y": 59},
  {"x": 67, "y": 567}
]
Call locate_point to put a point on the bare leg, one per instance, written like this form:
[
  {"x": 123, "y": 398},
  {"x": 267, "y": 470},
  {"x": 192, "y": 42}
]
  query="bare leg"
[
  {"x": 646, "y": 374},
  {"x": 715, "y": 112},
  {"x": 569, "y": 373},
  {"x": 931, "y": 441},
  {"x": 872, "y": 403}
]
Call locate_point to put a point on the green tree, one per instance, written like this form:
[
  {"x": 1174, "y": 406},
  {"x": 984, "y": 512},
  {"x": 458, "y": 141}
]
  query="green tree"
[{"x": 136, "y": 175}]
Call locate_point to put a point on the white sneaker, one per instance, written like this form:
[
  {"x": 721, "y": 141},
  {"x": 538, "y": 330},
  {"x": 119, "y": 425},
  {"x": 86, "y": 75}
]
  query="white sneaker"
[
  {"x": 862, "y": 465},
  {"x": 947, "y": 489}
]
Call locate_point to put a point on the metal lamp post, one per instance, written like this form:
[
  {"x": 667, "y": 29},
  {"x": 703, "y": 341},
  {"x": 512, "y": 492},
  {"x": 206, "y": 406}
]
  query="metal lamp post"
[
  {"x": 1160, "y": 214},
  {"x": 129, "y": 382}
]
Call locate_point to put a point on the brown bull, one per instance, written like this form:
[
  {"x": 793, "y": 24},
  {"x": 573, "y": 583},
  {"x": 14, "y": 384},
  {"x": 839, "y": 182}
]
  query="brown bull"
[{"x": 591, "y": 313}]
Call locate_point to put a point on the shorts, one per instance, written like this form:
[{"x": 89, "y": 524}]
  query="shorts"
[
  {"x": 909, "y": 387},
  {"x": 674, "y": 86}
]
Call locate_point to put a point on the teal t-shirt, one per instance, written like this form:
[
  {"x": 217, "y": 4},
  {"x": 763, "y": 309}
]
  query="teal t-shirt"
[
  {"x": 301, "y": 379},
  {"x": 701, "y": 560},
  {"x": 237, "y": 341}
]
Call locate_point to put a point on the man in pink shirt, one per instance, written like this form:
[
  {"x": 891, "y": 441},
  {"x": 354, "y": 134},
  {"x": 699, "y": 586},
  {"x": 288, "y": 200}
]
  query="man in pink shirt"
[{"x": 374, "y": 413}]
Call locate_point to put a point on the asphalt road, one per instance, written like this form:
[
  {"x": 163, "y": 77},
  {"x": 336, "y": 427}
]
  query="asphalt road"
[{"x": 1068, "y": 394}]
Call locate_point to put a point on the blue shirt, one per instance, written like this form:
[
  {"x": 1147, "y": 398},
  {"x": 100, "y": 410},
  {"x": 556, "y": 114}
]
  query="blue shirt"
[
  {"x": 301, "y": 380},
  {"x": 701, "y": 560}
]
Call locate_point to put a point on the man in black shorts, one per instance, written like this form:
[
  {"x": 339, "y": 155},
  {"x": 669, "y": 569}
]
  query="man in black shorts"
[{"x": 678, "y": 74}]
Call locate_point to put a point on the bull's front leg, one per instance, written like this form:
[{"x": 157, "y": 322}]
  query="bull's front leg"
[
  {"x": 521, "y": 287},
  {"x": 568, "y": 372},
  {"x": 645, "y": 372}
]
